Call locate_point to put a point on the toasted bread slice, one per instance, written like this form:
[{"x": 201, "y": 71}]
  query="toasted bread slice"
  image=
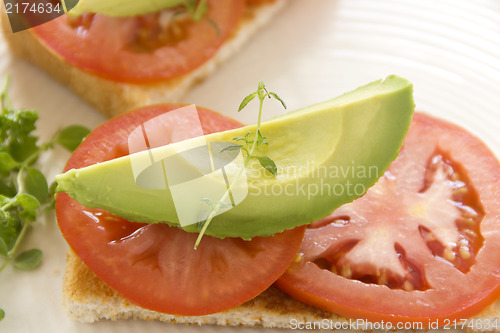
[
  {"x": 86, "y": 298},
  {"x": 112, "y": 98}
]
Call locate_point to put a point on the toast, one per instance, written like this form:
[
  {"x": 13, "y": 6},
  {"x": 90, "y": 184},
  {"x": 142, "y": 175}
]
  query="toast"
[
  {"x": 87, "y": 299},
  {"x": 112, "y": 98}
]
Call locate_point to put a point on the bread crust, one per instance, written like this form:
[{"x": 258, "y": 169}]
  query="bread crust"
[
  {"x": 112, "y": 98},
  {"x": 87, "y": 298}
]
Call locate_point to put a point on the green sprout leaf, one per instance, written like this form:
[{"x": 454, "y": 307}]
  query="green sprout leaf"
[
  {"x": 9, "y": 230},
  {"x": 4, "y": 97},
  {"x": 2, "y": 314},
  {"x": 233, "y": 147},
  {"x": 261, "y": 87},
  {"x": 28, "y": 260},
  {"x": 3, "y": 248},
  {"x": 36, "y": 185},
  {"x": 24, "y": 148},
  {"x": 268, "y": 164},
  {"x": 7, "y": 186},
  {"x": 7, "y": 163},
  {"x": 214, "y": 25},
  {"x": 28, "y": 215},
  {"x": 246, "y": 100},
  {"x": 23, "y": 188},
  {"x": 208, "y": 201},
  {"x": 71, "y": 136},
  {"x": 250, "y": 146},
  {"x": 261, "y": 139},
  {"x": 27, "y": 202},
  {"x": 51, "y": 204},
  {"x": 278, "y": 98},
  {"x": 200, "y": 10}
]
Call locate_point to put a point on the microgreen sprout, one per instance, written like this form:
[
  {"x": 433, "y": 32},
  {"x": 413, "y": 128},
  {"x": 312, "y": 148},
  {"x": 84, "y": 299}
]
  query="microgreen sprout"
[
  {"x": 197, "y": 10},
  {"x": 23, "y": 187},
  {"x": 250, "y": 144}
]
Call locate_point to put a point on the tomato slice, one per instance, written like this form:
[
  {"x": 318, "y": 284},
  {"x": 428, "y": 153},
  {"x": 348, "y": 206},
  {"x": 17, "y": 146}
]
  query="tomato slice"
[
  {"x": 143, "y": 49},
  {"x": 422, "y": 244},
  {"x": 154, "y": 265}
]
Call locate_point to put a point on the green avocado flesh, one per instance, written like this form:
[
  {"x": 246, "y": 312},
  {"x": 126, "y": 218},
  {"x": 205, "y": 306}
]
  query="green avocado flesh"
[
  {"x": 327, "y": 155},
  {"x": 120, "y": 7}
]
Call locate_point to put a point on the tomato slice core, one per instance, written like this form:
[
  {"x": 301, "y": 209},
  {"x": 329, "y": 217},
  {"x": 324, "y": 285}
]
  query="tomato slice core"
[
  {"x": 143, "y": 49},
  {"x": 421, "y": 245},
  {"x": 154, "y": 265}
]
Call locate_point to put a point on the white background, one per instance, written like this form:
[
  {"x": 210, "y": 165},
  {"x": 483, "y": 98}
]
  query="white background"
[{"x": 314, "y": 50}]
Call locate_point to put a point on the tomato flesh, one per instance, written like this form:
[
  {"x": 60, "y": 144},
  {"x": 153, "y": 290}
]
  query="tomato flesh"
[
  {"x": 421, "y": 245},
  {"x": 143, "y": 49},
  {"x": 154, "y": 265}
]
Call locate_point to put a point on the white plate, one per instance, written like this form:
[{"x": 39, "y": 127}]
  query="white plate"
[{"x": 315, "y": 50}]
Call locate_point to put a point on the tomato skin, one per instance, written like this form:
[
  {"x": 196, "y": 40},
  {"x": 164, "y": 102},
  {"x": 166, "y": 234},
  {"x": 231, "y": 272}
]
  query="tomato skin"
[
  {"x": 451, "y": 294},
  {"x": 101, "y": 44},
  {"x": 154, "y": 265}
]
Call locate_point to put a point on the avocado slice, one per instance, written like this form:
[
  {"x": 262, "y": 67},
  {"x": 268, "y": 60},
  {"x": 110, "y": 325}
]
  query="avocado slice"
[
  {"x": 119, "y": 8},
  {"x": 327, "y": 155}
]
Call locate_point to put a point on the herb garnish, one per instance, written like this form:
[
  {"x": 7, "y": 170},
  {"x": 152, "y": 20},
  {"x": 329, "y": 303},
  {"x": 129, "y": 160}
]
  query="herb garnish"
[
  {"x": 23, "y": 187},
  {"x": 256, "y": 140},
  {"x": 197, "y": 10},
  {"x": 251, "y": 142}
]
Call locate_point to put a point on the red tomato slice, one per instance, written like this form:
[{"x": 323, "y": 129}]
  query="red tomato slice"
[
  {"x": 422, "y": 244},
  {"x": 154, "y": 265},
  {"x": 143, "y": 49}
]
